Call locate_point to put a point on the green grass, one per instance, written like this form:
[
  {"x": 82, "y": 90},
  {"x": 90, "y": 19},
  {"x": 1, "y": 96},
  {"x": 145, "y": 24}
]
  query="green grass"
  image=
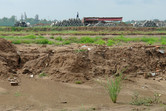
[
  {"x": 163, "y": 40},
  {"x": 146, "y": 101},
  {"x": 66, "y": 42},
  {"x": 78, "y": 82},
  {"x": 59, "y": 38},
  {"x": 51, "y": 37},
  {"x": 42, "y": 74},
  {"x": 84, "y": 40},
  {"x": 110, "y": 42},
  {"x": 113, "y": 87},
  {"x": 100, "y": 42},
  {"x": 72, "y": 39},
  {"x": 80, "y": 50},
  {"x": 17, "y": 94}
]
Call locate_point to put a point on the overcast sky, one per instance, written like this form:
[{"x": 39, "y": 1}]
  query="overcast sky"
[{"x": 64, "y": 9}]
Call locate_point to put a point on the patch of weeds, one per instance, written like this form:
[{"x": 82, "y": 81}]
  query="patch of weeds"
[
  {"x": 26, "y": 41},
  {"x": 100, "y": 42},
  {"x": 146, "y": 101},
  {"x": 113, "y": 87},
  {"x": 29, "y": 37},
  {"x": 40, "y": 37},
  {"x": 163, "y": 40},
  {"x": 66, "y": 42},
  {"x": 80, "y": 50},
  {"x": 17, "y": 94},
  {"x": 42, "y": 41},
  {"x": 51, "y": 42},
  {"x": 78, "y": 82},
  {"x": 57, "y": 43},
  {"x": 150, "y": 39},
  {"x": 42, "y": 74},
  {"x": 51, "y": 37},
  {"x": 87, "y": 40},
  {"x": 59, "y": 38},
  {"x": 72, "y": 39},
  {"x": 151, "y": 42},
  {"x": 125, "y": 39},
  {"x": 110, "y": 42},
  {"x": 16, "y": 41}
]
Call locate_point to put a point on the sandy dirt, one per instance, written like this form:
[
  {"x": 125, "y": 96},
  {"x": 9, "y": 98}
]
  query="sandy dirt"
[{"x": 144, "y": 67}]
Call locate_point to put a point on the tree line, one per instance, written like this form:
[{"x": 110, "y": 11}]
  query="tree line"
[{"x": 5, "y": 21}]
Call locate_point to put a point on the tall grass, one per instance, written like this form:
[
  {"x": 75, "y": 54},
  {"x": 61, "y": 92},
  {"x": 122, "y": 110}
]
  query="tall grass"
[{"x": 113, "y": 87}]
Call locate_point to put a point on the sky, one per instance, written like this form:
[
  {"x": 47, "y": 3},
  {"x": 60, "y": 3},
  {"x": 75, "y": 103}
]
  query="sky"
[{"x": 64, "y": 9}]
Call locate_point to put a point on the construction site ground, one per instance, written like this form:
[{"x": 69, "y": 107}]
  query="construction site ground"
[{"x": 48, "y": 76}]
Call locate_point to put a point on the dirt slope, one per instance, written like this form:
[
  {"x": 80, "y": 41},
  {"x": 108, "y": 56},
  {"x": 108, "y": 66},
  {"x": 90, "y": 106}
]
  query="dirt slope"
[
  {"x": 9, "y": 59},
  {"x": 71, "y": 64}
]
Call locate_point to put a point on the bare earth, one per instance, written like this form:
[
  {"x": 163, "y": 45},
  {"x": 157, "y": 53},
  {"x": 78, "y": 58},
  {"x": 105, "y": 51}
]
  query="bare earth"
[{"x": 64, "y": 65}]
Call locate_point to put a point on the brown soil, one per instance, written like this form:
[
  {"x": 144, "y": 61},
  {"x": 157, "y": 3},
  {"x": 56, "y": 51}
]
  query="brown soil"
[
  {"x": 73, "y": 63},
  {"x": 68, "y": 64},
  {"x": 9, "y": 59}
]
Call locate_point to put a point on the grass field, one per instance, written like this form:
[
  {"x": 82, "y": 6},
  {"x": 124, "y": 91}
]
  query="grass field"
[
  {"x": 84, "y": 40},
  {"x": 5, "y": 31}
]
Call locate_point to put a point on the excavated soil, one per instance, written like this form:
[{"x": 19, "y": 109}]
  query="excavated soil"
[
  {"x": 72, "y": 63},
  {"x": 77, "y": 63},
  {"x": 9, "y": 59}
]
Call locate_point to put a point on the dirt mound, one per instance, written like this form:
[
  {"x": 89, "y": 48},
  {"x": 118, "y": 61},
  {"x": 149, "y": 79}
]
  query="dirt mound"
[
  {"x": 9, "y": 59},
  {"x": 71, "y": 65}
]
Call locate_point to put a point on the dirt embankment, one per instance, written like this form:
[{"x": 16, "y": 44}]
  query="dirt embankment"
[
  {"x": 9, "y": 58},
  {"x": 77, "y": 63}
]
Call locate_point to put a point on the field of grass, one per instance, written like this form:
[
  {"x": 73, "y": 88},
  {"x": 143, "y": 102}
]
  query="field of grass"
[
  {"x": 83, "y": 40},
  {"x": 19, "y": 31}
]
